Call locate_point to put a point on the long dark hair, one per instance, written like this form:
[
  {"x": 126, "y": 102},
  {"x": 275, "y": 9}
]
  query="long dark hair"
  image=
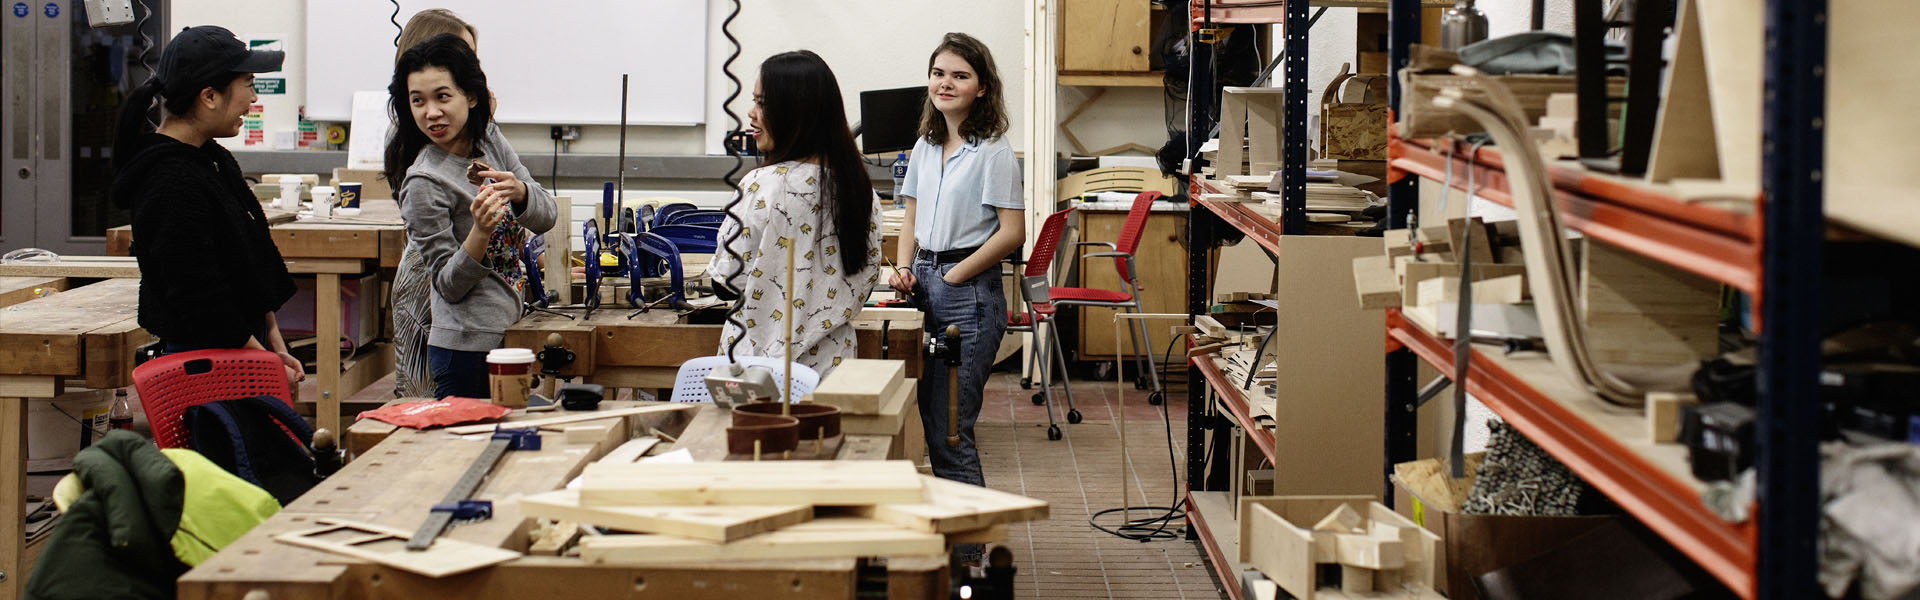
[
  {"x": 177, "y": 98},
  {"x": 987, "y": 119},
  {"x": 449, "y": 52},
  {"x": 806, "y": 119}
]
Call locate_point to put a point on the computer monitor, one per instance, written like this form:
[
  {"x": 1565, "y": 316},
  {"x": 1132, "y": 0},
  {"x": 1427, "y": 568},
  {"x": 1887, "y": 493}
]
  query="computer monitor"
[{"x": 890, "y": 119}]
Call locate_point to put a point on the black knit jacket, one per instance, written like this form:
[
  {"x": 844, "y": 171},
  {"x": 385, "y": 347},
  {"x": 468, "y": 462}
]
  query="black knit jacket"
[{"x": 209, "y": 271}]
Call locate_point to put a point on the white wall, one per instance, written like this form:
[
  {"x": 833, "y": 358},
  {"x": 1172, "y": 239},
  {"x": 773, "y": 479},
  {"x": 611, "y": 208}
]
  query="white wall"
[{"x": 871, "y": 44}]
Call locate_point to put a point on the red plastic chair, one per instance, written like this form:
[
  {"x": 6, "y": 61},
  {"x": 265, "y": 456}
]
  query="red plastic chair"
[
  {"x": 1035, "y": 285},
  {"x": 171, "y": 383},
  {"x": 1122, "y": 254}
]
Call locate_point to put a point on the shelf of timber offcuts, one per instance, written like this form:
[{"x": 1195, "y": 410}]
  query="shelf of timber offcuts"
[
  {"x": 1227, "y": 394},
  {"x": 1718, "y": 240},
  {"x": 1607, "y": 446}
]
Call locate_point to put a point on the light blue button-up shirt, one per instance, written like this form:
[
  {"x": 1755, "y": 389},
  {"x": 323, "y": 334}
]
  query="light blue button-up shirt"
[{"x": 954, "y": 203}]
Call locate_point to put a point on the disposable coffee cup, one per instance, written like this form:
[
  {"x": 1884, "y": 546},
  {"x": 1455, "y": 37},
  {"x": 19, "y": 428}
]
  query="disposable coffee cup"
[
  {"x": 347, "y": 199},
  {"x": 510, "y": 376},
  {"x": 289, "y": 192},
  {"x": 323, "y": 201}
]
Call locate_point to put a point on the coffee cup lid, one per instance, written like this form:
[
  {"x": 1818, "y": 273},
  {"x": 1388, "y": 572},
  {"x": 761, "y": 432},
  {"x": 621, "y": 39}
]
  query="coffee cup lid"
[{"x": 510, "y": 355}]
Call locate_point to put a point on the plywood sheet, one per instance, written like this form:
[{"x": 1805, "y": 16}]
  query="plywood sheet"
[
  {"x": 387, "y": 546},
  {"x": 825, "y": 538},
  {"x": 1684, "y": 145},
  {"x": 951, "y": 506},
  {"x": 711, "y": 523},
  {"x": 1732, "y": 36},
  {"x": 753, "y": 483}
]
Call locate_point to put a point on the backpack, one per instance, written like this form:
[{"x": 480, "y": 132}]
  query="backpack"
[{"x": 260, "y": 439}]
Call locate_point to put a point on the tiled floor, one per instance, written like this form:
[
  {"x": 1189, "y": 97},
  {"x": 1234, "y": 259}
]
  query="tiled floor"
[{"x": 1064, "y": 557}]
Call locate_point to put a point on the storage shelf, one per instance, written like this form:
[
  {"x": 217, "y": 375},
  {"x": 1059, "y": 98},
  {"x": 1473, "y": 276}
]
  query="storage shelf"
[
  {"x": 1712, "y": 241},
  {"x": 1606, "y": 446},
  {"x": 1258, "y": 227},
  {"x": 1229, "y": 396},
  {"x": 1210, "y": 514}
]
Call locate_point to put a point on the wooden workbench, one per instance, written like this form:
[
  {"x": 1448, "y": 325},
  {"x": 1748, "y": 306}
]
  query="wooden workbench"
[
  {"x": 328, "y": 249},
  {"x": 88, "y": 334},
  {"x": 646, "y": 351},
  {"x": 14, "y": 290},
  {"x": 395, "y": 483}
]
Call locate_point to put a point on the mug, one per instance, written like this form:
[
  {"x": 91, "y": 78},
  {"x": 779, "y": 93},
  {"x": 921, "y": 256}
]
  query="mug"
[{"x": 348, "y": 199}]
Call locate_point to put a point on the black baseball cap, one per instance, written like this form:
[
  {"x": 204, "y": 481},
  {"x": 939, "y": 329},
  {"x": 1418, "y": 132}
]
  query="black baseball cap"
[{"x": 197, "y": 55}]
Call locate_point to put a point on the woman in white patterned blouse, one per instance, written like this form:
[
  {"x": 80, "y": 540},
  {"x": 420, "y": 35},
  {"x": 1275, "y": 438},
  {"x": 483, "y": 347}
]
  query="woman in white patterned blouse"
[{"x": 813, "y": 194}]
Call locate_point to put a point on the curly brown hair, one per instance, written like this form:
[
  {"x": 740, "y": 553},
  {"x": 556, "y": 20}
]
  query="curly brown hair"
[{"x": 988, "y": 117}]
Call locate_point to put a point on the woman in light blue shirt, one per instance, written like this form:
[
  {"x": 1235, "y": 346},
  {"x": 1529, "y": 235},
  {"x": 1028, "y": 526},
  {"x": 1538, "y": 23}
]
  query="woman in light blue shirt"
[{"x": 964, "y": 214}]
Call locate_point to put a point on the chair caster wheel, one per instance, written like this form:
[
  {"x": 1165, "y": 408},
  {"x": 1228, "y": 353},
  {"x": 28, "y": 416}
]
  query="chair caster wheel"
[
  {"x": 1053, "y": 433},
  {"x": 1026, "y": 383},
  {"x": 1073, "y": 416},
  {"x": 1156, "y": 399},
  {"x": 1039, "y": 399}
]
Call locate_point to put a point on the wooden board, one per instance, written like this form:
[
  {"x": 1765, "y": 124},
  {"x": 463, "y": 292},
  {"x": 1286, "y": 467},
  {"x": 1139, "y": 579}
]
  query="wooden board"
[
  {"x": 1645, "y": 312},
  {"x": 951, "y": 506},
  {"x": 14, "y": 290},
  {"x": 860, "y": 386},
  {"x": 571, "y": 418},
  {"x": 83, "y": 267},
  {"x": 1329, "y": 367},
  {"x": 1872, "y": 97},
  {"x": 892, "y": 414},
  {"x": 824, "y": 538},
  {"x": 1732, "y": 35},
  {"x": 711, "y": 523},
  {"x": 387, "y": 546},
  {"x": 1684, "y": 144},
  {"x": 1103, "y": 35},
  {"x": 1417, "y": 272},
  {"x": 1374, "y": 282},
  {"x": 1282, "y": 552},
  {"x": 753, "y": 483},
  {"x": 46, "y": 336}
]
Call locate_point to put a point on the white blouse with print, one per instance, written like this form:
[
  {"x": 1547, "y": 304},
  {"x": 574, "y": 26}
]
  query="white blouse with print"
[{"x": 781, "y": 206}]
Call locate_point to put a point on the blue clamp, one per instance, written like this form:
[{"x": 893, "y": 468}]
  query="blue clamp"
[
  {"x": 526, "y": 438},
  {"x": 467, "y": 510}
]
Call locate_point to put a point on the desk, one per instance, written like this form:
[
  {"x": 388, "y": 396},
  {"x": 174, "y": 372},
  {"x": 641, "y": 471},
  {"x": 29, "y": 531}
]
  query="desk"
[
  {"x": 395, "y": 482},
  {"x": 647, "y": 350},
  {"x": 87, "y": 333},
  {"x": 327, "y": 249}
]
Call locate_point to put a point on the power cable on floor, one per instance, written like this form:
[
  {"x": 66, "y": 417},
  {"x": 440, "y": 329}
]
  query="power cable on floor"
[{"x": 1151, "y": 528}]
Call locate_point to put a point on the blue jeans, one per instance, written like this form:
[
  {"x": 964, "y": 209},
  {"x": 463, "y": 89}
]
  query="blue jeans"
[
  {"x": 980, "y": 309},
  {"x": 458, "y": 373}
]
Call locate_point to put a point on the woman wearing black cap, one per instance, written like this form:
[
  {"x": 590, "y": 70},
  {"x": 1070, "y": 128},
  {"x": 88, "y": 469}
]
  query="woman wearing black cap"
[{"x": 210, "y": 275}]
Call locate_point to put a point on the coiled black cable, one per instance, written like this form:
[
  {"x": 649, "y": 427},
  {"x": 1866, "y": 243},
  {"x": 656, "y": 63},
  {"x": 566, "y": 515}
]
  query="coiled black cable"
[
  {"x": 1153, "y": 527},
  {"x": 395, "y": 19},
  {"x": 726, "y": 245}
]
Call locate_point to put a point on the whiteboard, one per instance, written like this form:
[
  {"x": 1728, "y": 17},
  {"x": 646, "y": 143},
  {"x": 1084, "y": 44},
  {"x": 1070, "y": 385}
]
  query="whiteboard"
[{"x": 555, "y": 62}]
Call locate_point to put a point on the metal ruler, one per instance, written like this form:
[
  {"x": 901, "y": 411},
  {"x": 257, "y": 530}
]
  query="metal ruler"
[{"x": 458, "y": 502}]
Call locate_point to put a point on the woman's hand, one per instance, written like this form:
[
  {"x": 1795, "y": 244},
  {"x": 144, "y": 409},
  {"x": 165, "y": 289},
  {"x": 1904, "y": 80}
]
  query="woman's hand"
[
  {"x": 489, "y": 208},
  {"x": 296, "y": 372},
  {"x": 505, "y": 185},
  {"x": 902, "y": 280}
]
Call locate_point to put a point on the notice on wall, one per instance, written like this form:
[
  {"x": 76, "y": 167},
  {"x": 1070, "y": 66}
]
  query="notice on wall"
[{"x": 274, "y": 83}]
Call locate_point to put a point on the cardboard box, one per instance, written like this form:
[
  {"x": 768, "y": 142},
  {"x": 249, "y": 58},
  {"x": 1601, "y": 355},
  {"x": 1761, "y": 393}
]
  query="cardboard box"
[
  {"x": 1475, "y": 544},
  {"x": 360, "y": 313}
]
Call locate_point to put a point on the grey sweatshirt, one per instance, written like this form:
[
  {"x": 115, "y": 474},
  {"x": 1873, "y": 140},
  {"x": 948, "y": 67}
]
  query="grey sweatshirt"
[{"x": 472, "y": 306}]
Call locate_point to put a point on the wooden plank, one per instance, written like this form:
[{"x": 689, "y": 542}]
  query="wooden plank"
[
  {"x": 711, "y": 523},
  {"x": 14, "y": 290},
  {"x": 1645, "y": 312},
  {"x": 825, "y": 538},
  {"x": 1426, "y": 554},
  {"x": 1281, "y": 551},
  {"x": 572, "y": 418},
  {"x": 859, "y": 386},
  {"x": 1417, "y": 272},
  {"x": 753, "y": 483},
  {"x": 631, "y": 344},
  {"x": 387, "y": 546},
  {"x": 1374, "y": 282},
  {"x": 1102, "y": 35},
  {"x": 1684, "y": 145},
  {"x": 335, "y": 266},
  {"x": 1511, "y": 289},
  {"x": 555, "y": 539},
  {"x": 13, "y": 494},
  {"x": 45, "y": 336},
  {"x": 302, "y": 241},
  {"x": 1211, "y": 327},
  {"x": 29, "y": 386},
  {"x": 326, "y": 328},
  {"x": 990, "y": 535},
  {"x": 891, "y": 417},
  {"x": 1663, "y": 415},
  {"x": 81, "y": 267},
  {"x": 1732, "y": 34},
  {"x": 951, "y": 506},
  {"x": 1364, "y": 550},
  {"x": 1871, "y": 121},
  {"x": 1458, "y": 231}
]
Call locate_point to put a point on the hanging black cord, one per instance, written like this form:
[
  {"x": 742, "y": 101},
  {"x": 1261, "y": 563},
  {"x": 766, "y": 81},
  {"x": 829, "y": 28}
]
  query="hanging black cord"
[
  {"x": 1155, "y": 527},
  {"x": 395, "y": 19},
  {"x": 739, "y": 262}
]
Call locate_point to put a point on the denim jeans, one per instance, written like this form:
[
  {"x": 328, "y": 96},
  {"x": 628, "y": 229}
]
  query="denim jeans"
[
  {"x": 980, "y": 309},
  {"x": 458, "y": 373}
]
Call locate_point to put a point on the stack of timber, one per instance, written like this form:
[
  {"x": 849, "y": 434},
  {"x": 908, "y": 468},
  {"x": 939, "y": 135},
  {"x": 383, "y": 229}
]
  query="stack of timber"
[
  {"x": 676, "y": 513},
  {"x": 875, "y": 398}
]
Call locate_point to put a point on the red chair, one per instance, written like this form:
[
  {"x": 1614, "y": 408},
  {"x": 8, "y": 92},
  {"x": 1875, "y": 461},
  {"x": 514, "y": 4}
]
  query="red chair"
[
  {"x": 1122, "y": 254},
  {"x": 169, "y": 384},
  {"x": 1035, "y": 284}
]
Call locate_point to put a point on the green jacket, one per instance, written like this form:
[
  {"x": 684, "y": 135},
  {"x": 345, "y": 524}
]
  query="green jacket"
[{"x": 136, "y": 514}]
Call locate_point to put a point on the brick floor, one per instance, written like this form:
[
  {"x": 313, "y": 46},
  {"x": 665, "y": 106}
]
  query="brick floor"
[{"x": 1064, "y": 557}]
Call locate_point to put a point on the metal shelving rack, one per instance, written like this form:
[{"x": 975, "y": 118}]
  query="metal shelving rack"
[{"x": 1775, "y": 256}]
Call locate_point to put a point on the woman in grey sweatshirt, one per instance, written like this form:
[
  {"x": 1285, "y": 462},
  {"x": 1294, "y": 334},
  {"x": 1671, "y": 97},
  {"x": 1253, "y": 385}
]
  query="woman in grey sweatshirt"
[{"x": 468, "y": 204}]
